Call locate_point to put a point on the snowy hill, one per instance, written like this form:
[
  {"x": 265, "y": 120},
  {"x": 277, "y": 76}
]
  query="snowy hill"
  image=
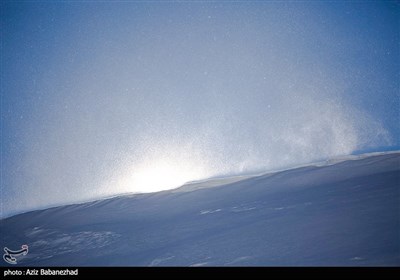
[{"x": 342, "y": 213}]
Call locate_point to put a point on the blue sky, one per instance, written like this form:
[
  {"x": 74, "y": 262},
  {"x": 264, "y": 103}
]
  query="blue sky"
[{"x": 101, "y": 98}]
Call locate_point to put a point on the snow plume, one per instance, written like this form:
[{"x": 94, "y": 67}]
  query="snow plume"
[{"x": 140, "y": 97}]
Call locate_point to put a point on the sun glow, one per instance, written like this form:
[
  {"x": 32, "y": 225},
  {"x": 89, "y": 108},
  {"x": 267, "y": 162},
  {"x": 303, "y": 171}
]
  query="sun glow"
[{"x": 160, "y": 175}]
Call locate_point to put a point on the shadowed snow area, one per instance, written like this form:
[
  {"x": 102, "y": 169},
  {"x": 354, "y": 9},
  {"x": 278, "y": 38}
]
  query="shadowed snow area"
[{"x": 340, "y": 213}]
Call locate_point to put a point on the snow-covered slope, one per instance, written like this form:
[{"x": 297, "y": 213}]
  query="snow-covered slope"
[{"x": 343, "y": 213}]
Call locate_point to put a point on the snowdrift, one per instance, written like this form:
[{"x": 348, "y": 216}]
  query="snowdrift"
[{"x": 340, "y": 213}]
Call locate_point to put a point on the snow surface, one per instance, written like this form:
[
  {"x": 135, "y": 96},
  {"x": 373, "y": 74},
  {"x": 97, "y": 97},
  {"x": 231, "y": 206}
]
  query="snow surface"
[{"x": 345, "y": 212}]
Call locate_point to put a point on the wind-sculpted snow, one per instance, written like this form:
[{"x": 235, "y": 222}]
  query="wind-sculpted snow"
[{"x": 344, "y": 213}]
